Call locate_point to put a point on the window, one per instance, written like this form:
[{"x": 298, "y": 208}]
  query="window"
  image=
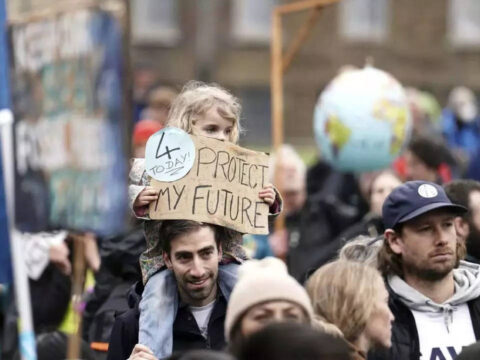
[
  {"x": 256, "y": 116},
  {"x": 464, "y": 22},
  {"x": 155, "y": 21},
  {"x": 364, "y": 19},
  {"x": 252, "y": 20}
]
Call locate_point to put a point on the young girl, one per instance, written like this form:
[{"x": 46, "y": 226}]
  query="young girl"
[{"x": 200, "y": 109}]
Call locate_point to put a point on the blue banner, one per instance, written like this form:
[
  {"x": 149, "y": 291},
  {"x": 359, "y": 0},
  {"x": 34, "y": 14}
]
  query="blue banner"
[
  {"x": 68, "y": 98},
  {"x": 5, "y": 263}
]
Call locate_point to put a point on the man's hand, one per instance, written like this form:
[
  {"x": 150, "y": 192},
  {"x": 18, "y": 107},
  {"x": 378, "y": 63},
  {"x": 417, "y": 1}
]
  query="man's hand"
[{"x": 142, "y": 352}]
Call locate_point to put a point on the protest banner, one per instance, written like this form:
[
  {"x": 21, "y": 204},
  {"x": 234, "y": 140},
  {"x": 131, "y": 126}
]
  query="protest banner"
[
  {"x": 207, "y": 180},
  {"x": 70, "y": 125},
  {"x": 70, "y": 106},
  {"x": 11, "y": 256},
  {"x": 5, "y": 265}
]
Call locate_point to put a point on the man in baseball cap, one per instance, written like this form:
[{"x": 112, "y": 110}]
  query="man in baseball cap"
[{"x": 434, "y": 296}]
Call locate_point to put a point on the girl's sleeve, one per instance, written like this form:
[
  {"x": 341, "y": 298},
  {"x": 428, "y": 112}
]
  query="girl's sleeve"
[
  {"x": 233, "y": 249},
  {"x": 137, "y": 182}
]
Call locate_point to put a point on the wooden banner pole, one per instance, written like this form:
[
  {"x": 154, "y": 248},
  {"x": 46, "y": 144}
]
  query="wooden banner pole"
[
  {"x": 296, "y": 6},
  {"x": 276, "y": 80},
  {"x": 280, "y": 64},
  {"x": 300, "y": 38}
]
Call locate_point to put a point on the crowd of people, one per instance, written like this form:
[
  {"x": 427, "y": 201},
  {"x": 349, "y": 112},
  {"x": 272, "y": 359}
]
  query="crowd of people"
[{"x": 379, "y": 265}]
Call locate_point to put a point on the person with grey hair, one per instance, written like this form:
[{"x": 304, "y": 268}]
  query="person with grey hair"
[
  {"x": 287, "y": 172},
  {"x": 362, "y": 249}
]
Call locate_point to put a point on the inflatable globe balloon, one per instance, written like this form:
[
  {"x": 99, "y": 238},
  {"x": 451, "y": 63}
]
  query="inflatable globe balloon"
[{"x": 362, "y": 120}]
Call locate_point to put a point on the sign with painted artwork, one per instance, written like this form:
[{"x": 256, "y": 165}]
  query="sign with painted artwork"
[
  {"x": 67, "y": 92},
  {"x": 221, "y": 184}
]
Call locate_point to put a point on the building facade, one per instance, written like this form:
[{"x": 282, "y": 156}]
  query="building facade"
[
  {"x": 430, "y": 44},
  {"x": 433, "y": 45}
]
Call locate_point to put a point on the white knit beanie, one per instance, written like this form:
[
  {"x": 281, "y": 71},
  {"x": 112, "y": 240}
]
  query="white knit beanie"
[{"x": 260, "y": 281}]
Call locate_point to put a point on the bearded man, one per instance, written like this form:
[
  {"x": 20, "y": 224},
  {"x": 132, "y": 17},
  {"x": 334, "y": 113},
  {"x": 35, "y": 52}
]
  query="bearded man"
[
  {"x": 192, "y": 251},
  {"x": 434, "y": 295}
]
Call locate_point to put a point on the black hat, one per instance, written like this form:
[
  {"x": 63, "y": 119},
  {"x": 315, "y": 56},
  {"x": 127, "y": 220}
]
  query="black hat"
[{"x": 415, "y": 198}]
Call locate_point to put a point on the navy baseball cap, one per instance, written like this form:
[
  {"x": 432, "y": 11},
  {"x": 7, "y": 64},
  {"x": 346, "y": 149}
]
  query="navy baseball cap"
[{"x": 415, "y": 198}]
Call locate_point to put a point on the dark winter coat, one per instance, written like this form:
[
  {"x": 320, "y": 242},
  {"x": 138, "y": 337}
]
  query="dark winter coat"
[
  {"x": 119, "y": 270},
  {"x": 405, "y": 341},
  {"x": 333, "y": 204},
  {"x": 186, "y": 334}
]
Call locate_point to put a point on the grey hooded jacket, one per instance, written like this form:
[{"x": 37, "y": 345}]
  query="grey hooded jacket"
[{"x": 405, "y": 342}]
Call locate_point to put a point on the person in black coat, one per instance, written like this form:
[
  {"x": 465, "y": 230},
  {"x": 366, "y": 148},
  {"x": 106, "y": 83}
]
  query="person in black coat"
[
  {"x": 333, "y": 204},
  {"x": 377, "y": 188},
  {"x": 434, "y": 296}
]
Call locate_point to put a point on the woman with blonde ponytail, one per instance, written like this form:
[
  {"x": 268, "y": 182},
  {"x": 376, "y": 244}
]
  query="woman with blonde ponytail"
[{"x": 350, "y": 300}]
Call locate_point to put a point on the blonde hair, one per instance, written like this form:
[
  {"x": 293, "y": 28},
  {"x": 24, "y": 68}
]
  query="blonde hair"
[
  {"x": 342, "y": 294},
  {"x": 196, "y": 99},
  {"x": 319, "y": 323}
]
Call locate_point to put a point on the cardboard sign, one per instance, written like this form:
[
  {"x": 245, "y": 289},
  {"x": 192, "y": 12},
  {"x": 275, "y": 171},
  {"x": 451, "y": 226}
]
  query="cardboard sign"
[{"x": 221, "y": 188}]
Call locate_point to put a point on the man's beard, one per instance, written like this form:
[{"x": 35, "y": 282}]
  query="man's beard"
[
  {"x": 198, "y": 294},
  {"x": 429, "y": 274}
]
